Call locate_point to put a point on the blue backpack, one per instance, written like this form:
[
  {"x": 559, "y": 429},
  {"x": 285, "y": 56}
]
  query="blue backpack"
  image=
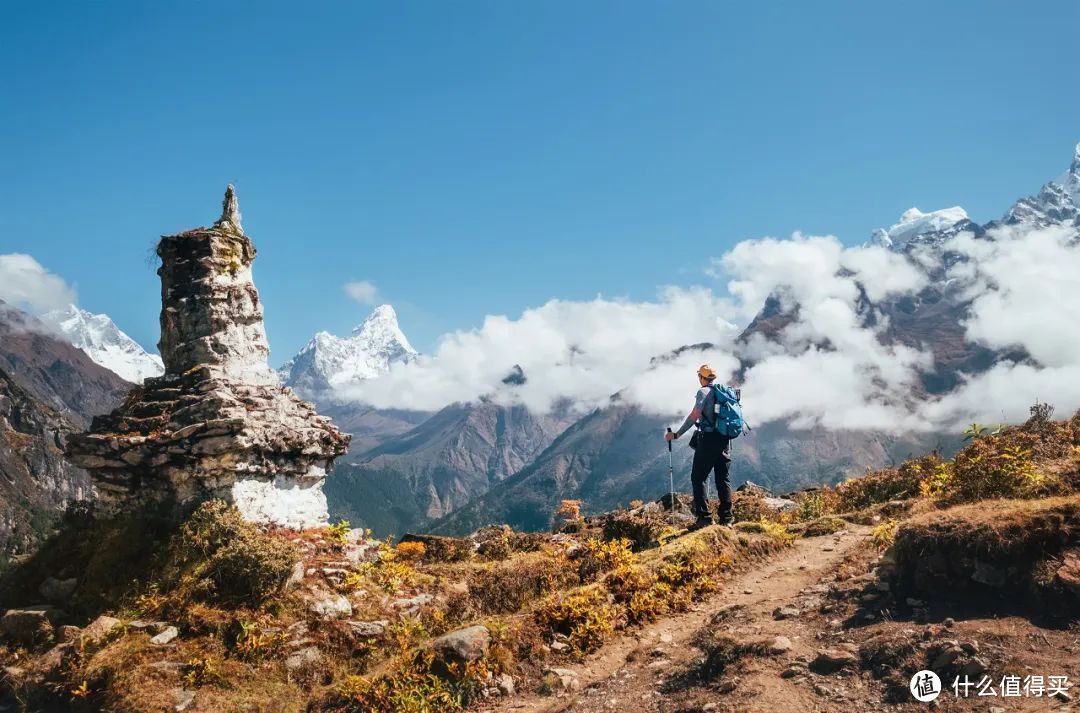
[{"x": 726, "y": 417}]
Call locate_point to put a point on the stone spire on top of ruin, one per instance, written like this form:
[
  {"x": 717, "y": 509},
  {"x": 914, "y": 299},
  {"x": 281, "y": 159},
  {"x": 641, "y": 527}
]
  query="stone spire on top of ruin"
[{"x": 230, "y": 212}]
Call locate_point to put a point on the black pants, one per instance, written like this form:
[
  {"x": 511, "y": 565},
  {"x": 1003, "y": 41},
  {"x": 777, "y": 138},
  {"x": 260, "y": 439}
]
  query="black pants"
[{"x": 713, "y": 453}]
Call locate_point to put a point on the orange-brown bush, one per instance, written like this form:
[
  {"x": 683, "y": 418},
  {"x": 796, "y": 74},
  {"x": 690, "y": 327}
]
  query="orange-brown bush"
[
  {"x": 506, "y": 588},
  {"x": 887, "y": 484},
  {"x": 750, "y": 507},
  {"x": 584, "y": 616}
]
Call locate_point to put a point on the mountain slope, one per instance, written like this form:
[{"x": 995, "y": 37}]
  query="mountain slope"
[
  {"x": 329, "y": 363},
  {"x": 48, "y": 389},
  {"x": 54, "y": 372},
  {"x": 615, "y": 454},
  {"x": 438, "y": 466},
  {"x": 102, "y": 340}
]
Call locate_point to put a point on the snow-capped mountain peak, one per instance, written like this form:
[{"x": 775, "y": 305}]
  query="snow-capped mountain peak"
[
  {"x": 1070, "y": 180},
  {"x": 1057, "y": 203},
  {"x": 914, "y": 224},
  {"x": 105, "y": 343},
  {"x": 329, "y": 362}
]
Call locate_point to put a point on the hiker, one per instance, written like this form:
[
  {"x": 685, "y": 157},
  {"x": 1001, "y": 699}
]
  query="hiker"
[{"x": 718, "y": 418}]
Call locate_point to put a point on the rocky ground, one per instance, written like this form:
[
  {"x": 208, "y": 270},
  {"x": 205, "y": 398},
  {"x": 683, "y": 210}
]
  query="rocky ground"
[{"x": 806, "y": 631}]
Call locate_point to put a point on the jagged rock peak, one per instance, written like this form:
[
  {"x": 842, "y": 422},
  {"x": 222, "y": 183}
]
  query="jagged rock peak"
[{"x": 230, "y": 212}]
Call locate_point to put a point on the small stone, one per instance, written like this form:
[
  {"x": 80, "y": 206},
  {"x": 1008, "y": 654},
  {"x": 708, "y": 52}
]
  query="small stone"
[
  {"x": 970, "y": 647},
  {"x": 974, "y": 668},
  {"x": 786, "y": 613},
  {"x": 832, "y": 660},
  {"x": 183, "y": 699},
  {"x": 67, "y": 633},
  {"x": 50, "y": 662},
  {"x": 795, "y": 669},
  {"x": 666, "y": 638},
  {"x": 165, "y": 637},
  {"x": 296, "y": 577},
  {"x": 411, "y": 605},
  {"x": 330, "y": 605},
  {"x": 506, "y": 685},
  {"x": 464, "y": 645},
  {"x": 946, "y": 658},
  {"x": 368, "y": 629},
  {"x": 560, "y": 679},
  {"x": 727, "y": 685},
  {"x": 96, "y": 631},
  {"x": 780, "y": 645},
  {"x": 559, "y": 646},
  {"x": 949, "y": 623},
  {"x": 302, "y": 661}
]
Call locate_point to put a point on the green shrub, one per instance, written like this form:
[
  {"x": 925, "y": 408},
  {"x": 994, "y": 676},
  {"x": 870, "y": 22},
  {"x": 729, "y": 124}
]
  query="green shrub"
[
  {"x": 251, "y": 568},
  {"x": 824, "y": 526},
  {"x": 233, "y": 559}
]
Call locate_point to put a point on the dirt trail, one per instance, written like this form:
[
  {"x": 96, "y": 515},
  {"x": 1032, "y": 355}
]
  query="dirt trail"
[{"x": 634, "y": 669}]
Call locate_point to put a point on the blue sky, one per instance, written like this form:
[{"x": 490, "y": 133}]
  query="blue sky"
[{"x": 475, "y": 158}]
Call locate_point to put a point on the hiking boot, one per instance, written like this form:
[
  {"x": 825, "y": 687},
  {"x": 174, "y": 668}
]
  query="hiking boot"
[
  {"x": 725, "y": 519},
  {"x": 702, "y": 521}
]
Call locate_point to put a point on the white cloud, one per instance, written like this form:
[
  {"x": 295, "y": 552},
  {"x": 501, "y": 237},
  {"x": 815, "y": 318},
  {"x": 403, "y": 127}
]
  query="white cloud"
[
  {"x": 580, "y": 351},
  {"x": 826, "y": 365},
  {"x": 362, "y": 291},
  {"x": 26, "y": 284}
]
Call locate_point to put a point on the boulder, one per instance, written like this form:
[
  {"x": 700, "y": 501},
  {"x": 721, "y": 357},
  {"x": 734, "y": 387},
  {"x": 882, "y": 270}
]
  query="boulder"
[
  {"x": 96, "y": 631},
  {"x": 58, "y": 591},
  {"x": 27, "y": 626},
  {"x": 1068, "y": 574},
  {"x": 464, "y": 645}
]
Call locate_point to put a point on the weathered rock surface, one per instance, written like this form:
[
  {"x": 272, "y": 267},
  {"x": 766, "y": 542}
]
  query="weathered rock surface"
[
  {"x": 217, "y": 424},
  {"x": 463, "y": 645}
]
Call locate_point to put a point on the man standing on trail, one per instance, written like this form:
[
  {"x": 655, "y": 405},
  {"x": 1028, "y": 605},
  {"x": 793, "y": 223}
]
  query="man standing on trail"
[{"x": 712, "y": 443}]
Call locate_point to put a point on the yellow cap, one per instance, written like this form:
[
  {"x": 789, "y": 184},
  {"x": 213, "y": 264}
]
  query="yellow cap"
[{"x": 706, "y": 372}]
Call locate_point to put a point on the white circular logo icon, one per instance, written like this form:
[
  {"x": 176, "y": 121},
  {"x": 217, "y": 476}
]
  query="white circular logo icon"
[{"x": 925, "y": 686}]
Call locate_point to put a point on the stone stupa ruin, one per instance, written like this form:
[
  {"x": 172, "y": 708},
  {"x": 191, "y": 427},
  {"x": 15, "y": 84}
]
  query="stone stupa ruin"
[{"x": 217, "y": 424}]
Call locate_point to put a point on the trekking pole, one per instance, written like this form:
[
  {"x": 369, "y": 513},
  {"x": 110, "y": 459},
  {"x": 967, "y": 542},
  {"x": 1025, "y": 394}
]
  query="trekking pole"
[{"x": 671, "y": 480}]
